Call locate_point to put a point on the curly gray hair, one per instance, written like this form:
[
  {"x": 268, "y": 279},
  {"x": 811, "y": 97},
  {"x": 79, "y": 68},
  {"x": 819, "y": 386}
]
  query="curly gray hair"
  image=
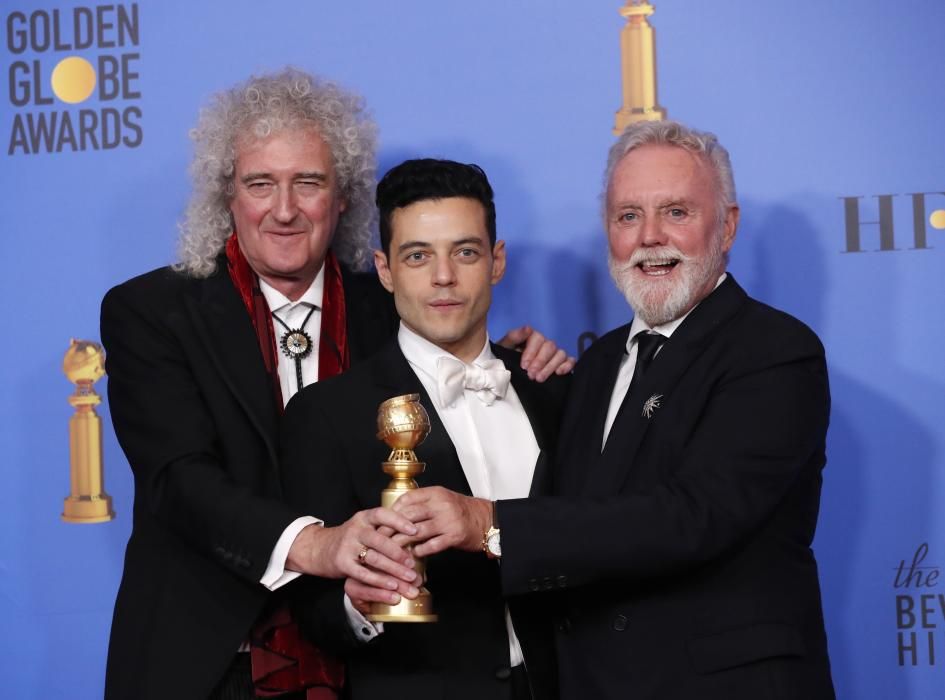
[
  {"x": 672, "y": 133},
  {"x": 264, "y": 105}
]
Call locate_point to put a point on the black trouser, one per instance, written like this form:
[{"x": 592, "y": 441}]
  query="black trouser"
[
  {"x": 519, "y": 681},
  {"x": 237, "y": 683}
]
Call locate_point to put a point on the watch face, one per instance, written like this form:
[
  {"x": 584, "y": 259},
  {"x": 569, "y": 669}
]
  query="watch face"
[{"x": 495, "y": 547}]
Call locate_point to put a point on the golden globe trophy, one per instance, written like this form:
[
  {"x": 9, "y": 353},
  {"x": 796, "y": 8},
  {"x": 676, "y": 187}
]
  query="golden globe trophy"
[
  {"x": 638, "y": 66},
  {"x": 403, "y": 423},
  {"x": 88, "y": 502}
]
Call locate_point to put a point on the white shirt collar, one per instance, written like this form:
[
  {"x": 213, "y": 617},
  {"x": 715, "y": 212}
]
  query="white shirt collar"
[
  {"x": 313, "y": 296},
  {"x": 422, "y": 354},
  {"x": 664, "y": 329}
]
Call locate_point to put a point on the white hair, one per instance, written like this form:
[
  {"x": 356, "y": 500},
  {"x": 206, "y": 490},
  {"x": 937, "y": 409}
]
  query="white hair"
[{"x": 264, "y": 105}]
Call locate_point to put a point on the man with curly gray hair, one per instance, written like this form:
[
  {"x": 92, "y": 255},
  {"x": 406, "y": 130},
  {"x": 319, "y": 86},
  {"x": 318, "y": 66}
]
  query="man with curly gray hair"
[
  {"x": 281, "y": 212},
  {"x": 286, "y": 102},
  {"x": 202, "y": 358}
]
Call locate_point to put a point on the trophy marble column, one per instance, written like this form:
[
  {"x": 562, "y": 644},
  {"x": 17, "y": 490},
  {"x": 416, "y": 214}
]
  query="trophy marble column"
[{"x": 638, "y": 67}]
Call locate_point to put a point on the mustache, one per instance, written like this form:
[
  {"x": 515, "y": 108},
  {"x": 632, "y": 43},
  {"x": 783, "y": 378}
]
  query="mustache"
[{"x": 640, "y": 256}]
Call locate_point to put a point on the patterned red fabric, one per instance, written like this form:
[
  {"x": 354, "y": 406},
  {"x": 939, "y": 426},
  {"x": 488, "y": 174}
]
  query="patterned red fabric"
[
  {"x": 333, "y": 355},
  {"x": 283, "y": 661},
  {"x": 247, "y": 284}
]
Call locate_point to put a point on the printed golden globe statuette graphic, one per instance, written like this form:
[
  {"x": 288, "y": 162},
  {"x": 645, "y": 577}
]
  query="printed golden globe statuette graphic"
[
  {"x": 638, "y": 67},
  {"x": 84, "y": 364},
  {"x": 403, "y": 423}
]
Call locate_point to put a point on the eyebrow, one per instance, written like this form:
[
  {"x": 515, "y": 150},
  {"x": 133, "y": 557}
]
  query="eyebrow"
[
  {"x": 410, "y": 245},
  {"x": 687, "y": 202},
  {"x": 309, "y": 175},
  {"x": 675, "y": 201}
]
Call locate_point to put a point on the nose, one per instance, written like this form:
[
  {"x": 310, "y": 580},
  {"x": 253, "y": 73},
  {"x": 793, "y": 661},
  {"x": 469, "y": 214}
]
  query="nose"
[
  {"x": 653, "y": 234},
  {"x": 444, "y": 273},
  {"x": 285, "y": 207}
]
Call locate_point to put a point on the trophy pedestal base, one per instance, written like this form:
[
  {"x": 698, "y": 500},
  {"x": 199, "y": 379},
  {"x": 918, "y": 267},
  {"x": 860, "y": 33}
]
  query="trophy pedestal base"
[
  {"x": 88, "y": 509},
  {"x": 418, "y": 610},
  {"x": 626, "y": 117}
]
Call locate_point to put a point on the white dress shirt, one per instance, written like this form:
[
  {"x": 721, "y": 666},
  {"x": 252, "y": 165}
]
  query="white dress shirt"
[
  {"x": 293, "y": 313},
  {"x": 629, "y": 362},
  {"x": 494, "y": 442}
]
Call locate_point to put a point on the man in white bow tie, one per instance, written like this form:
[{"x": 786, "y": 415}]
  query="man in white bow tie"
[{"x": 491, "y": 430}]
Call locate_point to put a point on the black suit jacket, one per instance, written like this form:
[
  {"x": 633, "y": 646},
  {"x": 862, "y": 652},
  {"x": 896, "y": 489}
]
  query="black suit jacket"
[
  {"x": 332, "y": 468},
  {"x": 196, "y": 417},
  {"x": 681, "y": 553}
]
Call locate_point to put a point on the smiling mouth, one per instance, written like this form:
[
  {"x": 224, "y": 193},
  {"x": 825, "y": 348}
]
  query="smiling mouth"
[
  {"x": 658, "y": 267},
  {"x": 284, "y": 232}
]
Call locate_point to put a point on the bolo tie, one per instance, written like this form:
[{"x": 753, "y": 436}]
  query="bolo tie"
[{"x": 296, "y": 344}]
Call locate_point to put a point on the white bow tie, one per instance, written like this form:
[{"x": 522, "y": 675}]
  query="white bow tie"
[{"x": 489, "y": 379}]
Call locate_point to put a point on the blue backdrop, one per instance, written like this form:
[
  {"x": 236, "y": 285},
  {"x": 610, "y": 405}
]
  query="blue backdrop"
[{"x": 819, "y": 106}]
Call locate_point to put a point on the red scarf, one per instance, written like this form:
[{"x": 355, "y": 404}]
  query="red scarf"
[{"x": 283, "y": 661}]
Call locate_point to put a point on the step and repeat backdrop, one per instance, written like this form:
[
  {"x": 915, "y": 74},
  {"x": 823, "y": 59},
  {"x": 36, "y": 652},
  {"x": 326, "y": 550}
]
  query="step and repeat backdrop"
[{"x": 833, "y": 115}]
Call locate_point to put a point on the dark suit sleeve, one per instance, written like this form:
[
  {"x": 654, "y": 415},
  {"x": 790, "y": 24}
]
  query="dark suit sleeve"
[
  {"x": 761, "y": 431},
  {"x": 174, "y": 445},
  {"x": 316, "y": 479}
]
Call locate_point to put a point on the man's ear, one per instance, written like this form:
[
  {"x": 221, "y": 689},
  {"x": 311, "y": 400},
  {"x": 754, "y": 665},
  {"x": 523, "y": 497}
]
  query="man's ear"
[
  {"x": 730, "y": 227},
  {"x": 383, "y": 270},
  {"x": 498, "y": 261}
]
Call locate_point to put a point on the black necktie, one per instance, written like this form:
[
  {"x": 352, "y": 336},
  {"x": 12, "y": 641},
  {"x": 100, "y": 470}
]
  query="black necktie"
[{"x": 647, "y": 345}]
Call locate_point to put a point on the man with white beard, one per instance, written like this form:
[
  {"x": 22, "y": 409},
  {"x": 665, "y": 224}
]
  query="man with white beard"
[{"x": 675, "y": 551}]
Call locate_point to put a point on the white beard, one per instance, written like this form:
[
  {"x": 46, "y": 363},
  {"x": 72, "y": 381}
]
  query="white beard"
[{"x": 658, "y": 300}]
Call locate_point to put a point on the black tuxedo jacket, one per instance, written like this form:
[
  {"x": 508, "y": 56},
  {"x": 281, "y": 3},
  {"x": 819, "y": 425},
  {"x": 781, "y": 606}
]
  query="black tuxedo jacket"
[
  {"x": 196, "y": 417},
  {"x": 680, "y": 555},
  {"x": 332, "y": 468}
]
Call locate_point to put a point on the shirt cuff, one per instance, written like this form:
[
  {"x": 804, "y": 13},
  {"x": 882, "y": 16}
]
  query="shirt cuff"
[
  {"x": 275, "y": 576},
  {"x": 363, "y": 628}
]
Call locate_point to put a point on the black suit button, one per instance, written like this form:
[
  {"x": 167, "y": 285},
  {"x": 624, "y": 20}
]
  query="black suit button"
[
  {"x": 564, "y": 625},
  {"x": 219, "y": 551},
  {"x": 547, "y": 584},
  {"x": 620, "y": 623},
  {"x": 243, "y": 563},
  {"x": 533, "y": 584},
  {"x": 503, "y": 673},
  {"x": 562, "y": 581}
]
